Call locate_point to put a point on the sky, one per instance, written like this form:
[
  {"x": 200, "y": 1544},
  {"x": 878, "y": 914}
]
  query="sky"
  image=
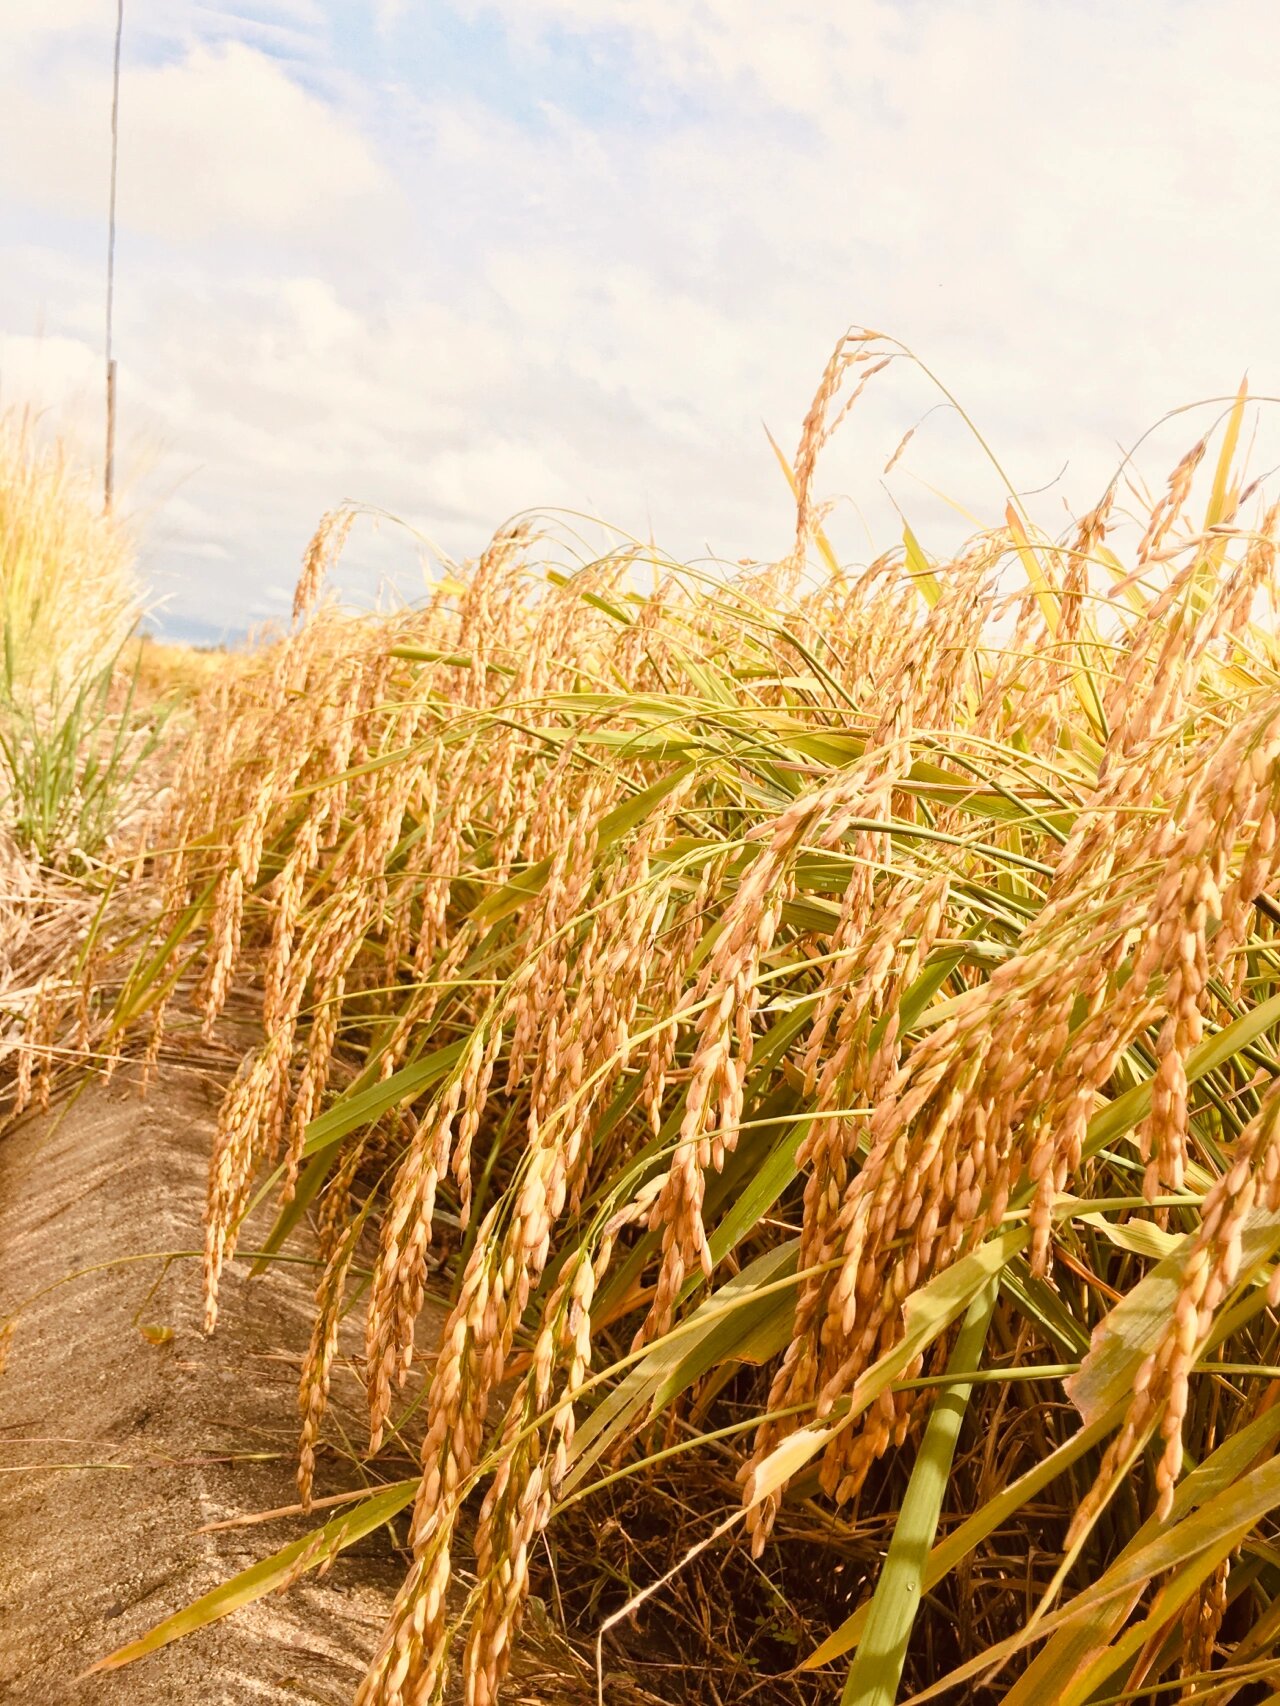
[{"x": 455, "y": 260}]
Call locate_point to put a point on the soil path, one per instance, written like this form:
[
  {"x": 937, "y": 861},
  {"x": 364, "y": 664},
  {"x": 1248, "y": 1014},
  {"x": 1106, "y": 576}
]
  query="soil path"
[{"x": 114, "y": 1450}]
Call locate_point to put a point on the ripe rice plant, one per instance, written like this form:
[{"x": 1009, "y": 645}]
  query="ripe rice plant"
[
  {"x": 823, "y": 1028},
  {"x": 67, "y": 592},
  {"x": 71, "y": 738}
]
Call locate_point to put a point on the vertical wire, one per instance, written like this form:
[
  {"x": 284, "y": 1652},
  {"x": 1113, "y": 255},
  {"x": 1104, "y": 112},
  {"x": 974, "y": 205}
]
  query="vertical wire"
[{"x": 108, "y": 482}]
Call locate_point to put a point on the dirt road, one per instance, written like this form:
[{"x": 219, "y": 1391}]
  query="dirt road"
[{"x": 115, "y": 1449}]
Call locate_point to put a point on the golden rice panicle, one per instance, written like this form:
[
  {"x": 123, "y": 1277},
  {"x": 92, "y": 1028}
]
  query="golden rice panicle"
[
  {"x": 727, "y": 992},
  {"x": 438, "y": 983},
  {"x": 940, "y": 665},
  {"x": 500, "y": 1276},
  {"x": 875, "y": 976},
  {"x": 1165, "y": 514},
  {"x": 568, "y": 828},
  {"x": 1171, "y": 644},
  {"x": 1204, "y": 909},
  {"x": 415, "y": 1639},
  {"x": 1202, "y": 1619},
  {"x": 416, "y": 903},
  {"x": 400, "y": 1270},
  {"x": 316, "y": 1066},
  {"x": 414, "y": 1643},
  {"x": 317, "y": 1366},
  {"x": 884, "y": 765},
  {"x": 516, "y": 1508},
  {"x": 398, "y": 1286},
  {"x": 1212, "y": 1269},
  {"x": 1034, "y": 685},
  {"x": 491, "y": 592},
  {"x": 1239, "y": 790},
  {"x": 876, "y": 973},
  {"x": 323, "y": 551},
  {"x": 667, "y": 982},
  {"x": 477, "y": 1077},
  {"x": 725, "y": 1001},
  {"x": 1014, "y": 682},
  {"x": 639, "y": 647},
  {"x": 287, "y": 907},
  {"x": 856, "y": 353},
  {"x": 228, "y": 916},
  {"x": 240, "y": 1120},
  {"x": 519, "y": 1500},
  {"x": 586, "y": 1041},
  {"x": 528, "y": 1474}
]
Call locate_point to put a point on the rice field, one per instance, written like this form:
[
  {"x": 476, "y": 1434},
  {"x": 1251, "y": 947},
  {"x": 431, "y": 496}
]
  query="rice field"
[{"x": 817, "y": 1030}]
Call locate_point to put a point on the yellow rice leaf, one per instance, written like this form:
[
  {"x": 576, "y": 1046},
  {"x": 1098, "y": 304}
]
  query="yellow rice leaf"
[
  {"x": 1139, "y": 1320},
  {"x": 819, "y": 537},
  {"x": 1218, "y": 497}
]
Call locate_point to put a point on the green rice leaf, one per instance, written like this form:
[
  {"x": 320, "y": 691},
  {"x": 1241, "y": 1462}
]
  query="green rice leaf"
[
  {"x": 876, "y": 1672},
  {"x": 267, "y": 1575}
]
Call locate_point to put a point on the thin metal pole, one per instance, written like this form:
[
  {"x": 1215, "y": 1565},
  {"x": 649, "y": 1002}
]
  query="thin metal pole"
[
  {"x": 109, "y": 467},
  {"x": 109, "y": 471}
]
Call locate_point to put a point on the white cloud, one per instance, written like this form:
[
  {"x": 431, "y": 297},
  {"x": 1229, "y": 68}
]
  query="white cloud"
[
  {"x": 59, "y": 372},
  {"x": 28, "y": 21},
  {"x": 219, "y": 145},
  {"x": 1068, "y": 211}
]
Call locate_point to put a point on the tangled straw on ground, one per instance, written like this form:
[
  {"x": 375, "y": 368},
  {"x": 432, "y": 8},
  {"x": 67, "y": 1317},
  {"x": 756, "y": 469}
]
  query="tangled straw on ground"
[{"x": 760, "y": 971}]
